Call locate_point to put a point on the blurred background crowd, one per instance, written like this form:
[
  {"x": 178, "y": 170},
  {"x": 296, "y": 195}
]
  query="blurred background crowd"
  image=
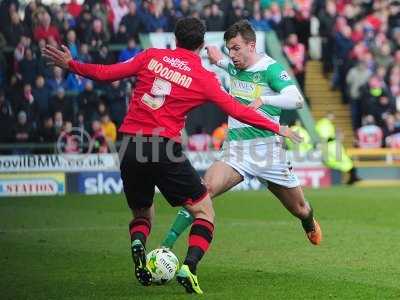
[{"x": 40, "y": 103}]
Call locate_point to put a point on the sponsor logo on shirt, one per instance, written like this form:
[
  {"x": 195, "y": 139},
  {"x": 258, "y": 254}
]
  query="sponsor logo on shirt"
[
  {"x": 234, "y": 71},
  {"x": 243, "y": 89},
  {"x": 256, "y": 77},
  {"x": 177, "y": 63},
  {"x": 284, "y": 76},
  {"x": 169, "y": 74}
]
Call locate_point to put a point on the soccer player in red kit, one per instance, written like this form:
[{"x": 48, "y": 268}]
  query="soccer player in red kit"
[{"x": 169, "y": 84}]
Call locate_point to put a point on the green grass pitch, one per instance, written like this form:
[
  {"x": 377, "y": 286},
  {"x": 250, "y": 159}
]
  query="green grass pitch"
[{"x": 77, "y": 247}]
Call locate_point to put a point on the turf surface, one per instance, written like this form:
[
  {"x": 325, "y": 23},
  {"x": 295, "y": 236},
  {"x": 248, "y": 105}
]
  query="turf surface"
[{"x": 77, "y": 247}]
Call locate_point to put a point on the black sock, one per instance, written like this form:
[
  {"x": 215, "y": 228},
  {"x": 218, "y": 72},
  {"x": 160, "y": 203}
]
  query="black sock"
[
  {"x": 194, "y": 255},
  {"x": 308, "y": 222},
  {"x": 200, "y": 237}
]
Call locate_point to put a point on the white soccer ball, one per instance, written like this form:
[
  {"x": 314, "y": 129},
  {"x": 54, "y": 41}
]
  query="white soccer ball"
[{"x": 162, "y": 264}]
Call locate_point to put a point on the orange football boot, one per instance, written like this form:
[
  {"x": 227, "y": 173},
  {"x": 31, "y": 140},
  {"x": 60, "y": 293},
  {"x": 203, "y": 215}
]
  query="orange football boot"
[{"x": 315, "y": 235}]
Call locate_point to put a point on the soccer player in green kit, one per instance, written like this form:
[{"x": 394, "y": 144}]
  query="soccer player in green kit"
[{"x": 259, "y": 81}]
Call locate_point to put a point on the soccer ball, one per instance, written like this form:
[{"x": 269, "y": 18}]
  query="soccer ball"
[{"x": 162, "y": 264}]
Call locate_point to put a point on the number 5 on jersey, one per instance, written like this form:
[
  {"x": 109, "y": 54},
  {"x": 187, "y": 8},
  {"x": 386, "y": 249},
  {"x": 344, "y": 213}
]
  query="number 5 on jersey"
[{"x": 159, "y": 90}]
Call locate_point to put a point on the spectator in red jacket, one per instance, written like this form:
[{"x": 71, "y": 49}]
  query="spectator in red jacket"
[
  {"x": 74, "y": 8},
  {"x": 45, "y": 30},
  {"x": 296, "y": 54},
  {"x": 369, "y": 135}
]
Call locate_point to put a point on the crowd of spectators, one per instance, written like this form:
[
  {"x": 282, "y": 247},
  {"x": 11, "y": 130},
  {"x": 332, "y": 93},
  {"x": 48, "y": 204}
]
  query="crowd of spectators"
[
  {"x": 44, "y": 104},
  {"x": 39, "y": 103},
  {"x": 365, "y": 39}
]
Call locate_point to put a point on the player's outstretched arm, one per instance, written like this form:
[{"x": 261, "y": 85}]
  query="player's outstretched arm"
[
  {"x": 244, "y": 113},
  {"x": 63, "y": 59}
]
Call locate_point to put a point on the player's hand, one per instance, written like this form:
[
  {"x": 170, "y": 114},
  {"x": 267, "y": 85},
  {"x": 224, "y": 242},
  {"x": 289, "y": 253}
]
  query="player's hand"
[
  {"x": 214, "y": 54},
  {"x": 60, "y": 58},
  {"x": 256, "y": 103},
  {"x": 289, "y": 133}
]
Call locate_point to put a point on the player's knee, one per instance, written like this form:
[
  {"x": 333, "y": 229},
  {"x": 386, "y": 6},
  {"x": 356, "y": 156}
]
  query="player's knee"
[
  {"x": 208, "y": 182},
  {"x": 211, "y": 190},
  {"x": 203, "y": 210}
]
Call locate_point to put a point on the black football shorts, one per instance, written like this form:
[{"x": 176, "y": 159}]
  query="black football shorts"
[{"x": 153, "y": 161}]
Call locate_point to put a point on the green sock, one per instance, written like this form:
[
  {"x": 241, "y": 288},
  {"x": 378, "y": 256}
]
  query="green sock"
[{"x": 183, "y": 220}]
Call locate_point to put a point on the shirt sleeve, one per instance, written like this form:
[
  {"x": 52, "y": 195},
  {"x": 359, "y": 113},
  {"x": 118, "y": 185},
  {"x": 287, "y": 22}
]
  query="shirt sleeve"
[
  {"x": 109, "y": 72},
  {"x": 288, "y": 98},
  {"x": 239, "y": 111},
  {"x": 278, "y": 78}
]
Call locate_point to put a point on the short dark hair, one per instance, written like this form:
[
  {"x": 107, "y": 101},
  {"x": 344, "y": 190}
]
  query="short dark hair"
[
  {"x": 189, "y": 33},
  {"x": 242, "y": 27}
]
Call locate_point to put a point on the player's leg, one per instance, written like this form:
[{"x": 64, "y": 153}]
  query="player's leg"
[
  {"x": 200, "y": 237},
  {"x": 219, "y": 178},
  {"x": 294, "y": 201},
  {"x": 181, "y": 186},
  {"x": 139, "y": 192},
  {"x": 276, "y": 171}
]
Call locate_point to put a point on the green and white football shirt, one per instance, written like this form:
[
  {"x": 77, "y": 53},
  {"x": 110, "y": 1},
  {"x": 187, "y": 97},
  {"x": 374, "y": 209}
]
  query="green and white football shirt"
[{"x": 265, "y": 78}]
